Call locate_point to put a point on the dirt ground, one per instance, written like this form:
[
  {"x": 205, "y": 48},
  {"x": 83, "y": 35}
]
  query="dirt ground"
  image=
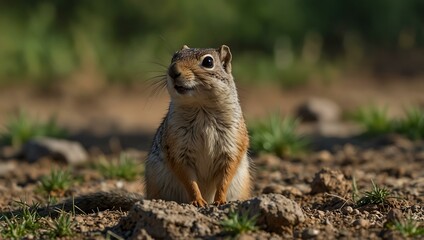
[{"x": 319, "y": 181}]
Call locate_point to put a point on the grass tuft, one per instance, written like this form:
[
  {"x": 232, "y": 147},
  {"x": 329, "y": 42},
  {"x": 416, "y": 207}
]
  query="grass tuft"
[
  {"x": 412, "y": 126},
  {"x": 62, "y": 226},
  {"x": 27, "y": 222},
  {"x": 21, "y": 128},
  {"x": 236, "y": 224},
  {"x": 374, "y": 120},
  {"x": 278, "y": 136},
  {"x": 377, "y": 195},
  {"x": 408, "y": 228},
  {"x": 57, "y": 182},
  {"x": 123, "y": 167}
]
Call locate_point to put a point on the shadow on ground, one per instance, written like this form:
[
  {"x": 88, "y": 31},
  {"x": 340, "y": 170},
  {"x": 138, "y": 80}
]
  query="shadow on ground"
[{"x": 114, "y": 141}]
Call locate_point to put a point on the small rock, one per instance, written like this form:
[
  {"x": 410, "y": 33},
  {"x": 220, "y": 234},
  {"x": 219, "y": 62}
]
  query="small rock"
[
  {"x": 275, "y": 176},
  {"x": 416, "y": 208},
  {"x": 287, "y": 191},
  {"x": 321, "y": 214},
  {"x": 79, "y": 219},
  {"x": 119, "y": 184},
  {"x": 161, "y": 219},
  {"x": 89, "y": 222},
  {"x": 319, "y": 110},
  {"x": 269, "y": 160},
  {"x": 68, "y": 151},
  {"x": 275, "y": 211},
  {"x": 331, "y": 181},
  {"x": 303, "y": 188},
  {"x": 291, "y": 192},
  {"x": 347, "y": 209},
  {"x": 30, "y": 236},
  {"x": 324, "y": 156},
  {"x": 310, "y": 233},
  {"x": 101, "y": 226},
  {"x": 273, "y": 188},
  {"x": 361, "y": 223},
  {"x": 365, "y": 213}
]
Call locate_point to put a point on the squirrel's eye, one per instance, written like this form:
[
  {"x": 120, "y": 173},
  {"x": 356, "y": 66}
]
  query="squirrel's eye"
[{"x": 207, "y": 62}]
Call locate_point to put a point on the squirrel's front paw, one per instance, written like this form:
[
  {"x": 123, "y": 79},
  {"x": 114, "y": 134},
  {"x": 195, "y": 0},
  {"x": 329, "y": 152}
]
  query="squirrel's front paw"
[
  {"x": 220, "y": 199},
  {"x": 219, "y": 202},
  {"x": 199, "y": 202}
]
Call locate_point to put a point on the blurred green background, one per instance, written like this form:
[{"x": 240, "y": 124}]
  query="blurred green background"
[{"x": 288, "y": 41}]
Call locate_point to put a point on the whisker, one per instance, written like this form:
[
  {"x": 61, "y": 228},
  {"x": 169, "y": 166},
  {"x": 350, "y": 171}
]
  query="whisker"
[
  {"x": 157, "y": 83},
  {"x": 159, "y": 64},
  {"x": 154, "y": 78}
]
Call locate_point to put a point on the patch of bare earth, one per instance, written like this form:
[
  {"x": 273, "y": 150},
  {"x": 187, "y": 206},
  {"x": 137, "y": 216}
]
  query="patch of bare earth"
[{"x": 317, "y": 186}]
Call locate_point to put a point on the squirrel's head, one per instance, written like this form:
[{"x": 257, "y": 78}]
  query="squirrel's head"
[{"x": 200, "y": 74}]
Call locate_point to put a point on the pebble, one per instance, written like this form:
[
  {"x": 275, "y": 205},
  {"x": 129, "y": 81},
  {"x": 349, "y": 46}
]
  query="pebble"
[
  {"x": 119, "y": 184},
  {"x": 269, "y": 160},
  {"x": 275, "y": 176},
  {"x": 83, "y": 228},
  {"x": 362, "y": 223},
  {"x": 324, "y": 156},
  {"x": 89, "y": 222},
  {"x": 317, "y": 109},
  {"x": 79, "y": 219},
  {"x": 273, "y": 188},
  {"x": 416, "y": 208},
  {"x": 321, "y": 213},
  {"x": 101, "y": 226},
  {"x": 348, "y": 209},
  {"x": 310, "y": 233},
  {"x": 291, "y": 191},
  {"x": 70, "y": 151}
]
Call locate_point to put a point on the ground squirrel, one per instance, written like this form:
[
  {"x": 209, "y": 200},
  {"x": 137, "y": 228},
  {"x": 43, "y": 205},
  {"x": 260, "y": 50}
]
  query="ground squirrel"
[{"x": 199, "y": 152}]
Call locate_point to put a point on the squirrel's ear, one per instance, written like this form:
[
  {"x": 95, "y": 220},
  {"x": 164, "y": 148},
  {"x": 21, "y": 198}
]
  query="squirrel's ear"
[
  {"x": 225, "y": 55},
  {"x": 185, "y": 47}
]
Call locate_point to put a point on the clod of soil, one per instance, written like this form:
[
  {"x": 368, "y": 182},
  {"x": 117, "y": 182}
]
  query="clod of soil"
[
  {"x": 169, "y": 220},
  {"x": 330, "y": 181}
]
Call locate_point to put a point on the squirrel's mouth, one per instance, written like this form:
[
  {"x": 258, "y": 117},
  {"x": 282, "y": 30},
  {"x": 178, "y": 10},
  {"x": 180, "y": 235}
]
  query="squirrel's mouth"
[{"x": 182, "y": 89}]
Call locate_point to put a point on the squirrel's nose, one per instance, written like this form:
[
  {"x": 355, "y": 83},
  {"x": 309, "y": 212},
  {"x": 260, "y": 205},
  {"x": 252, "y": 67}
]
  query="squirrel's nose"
[{"x": 173, "y": 71}]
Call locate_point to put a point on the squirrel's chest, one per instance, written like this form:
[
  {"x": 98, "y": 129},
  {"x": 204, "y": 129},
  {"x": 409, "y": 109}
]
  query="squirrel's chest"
[
  {"x": 204, "y": 144},
  {"x": 211, "y": 151}
]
